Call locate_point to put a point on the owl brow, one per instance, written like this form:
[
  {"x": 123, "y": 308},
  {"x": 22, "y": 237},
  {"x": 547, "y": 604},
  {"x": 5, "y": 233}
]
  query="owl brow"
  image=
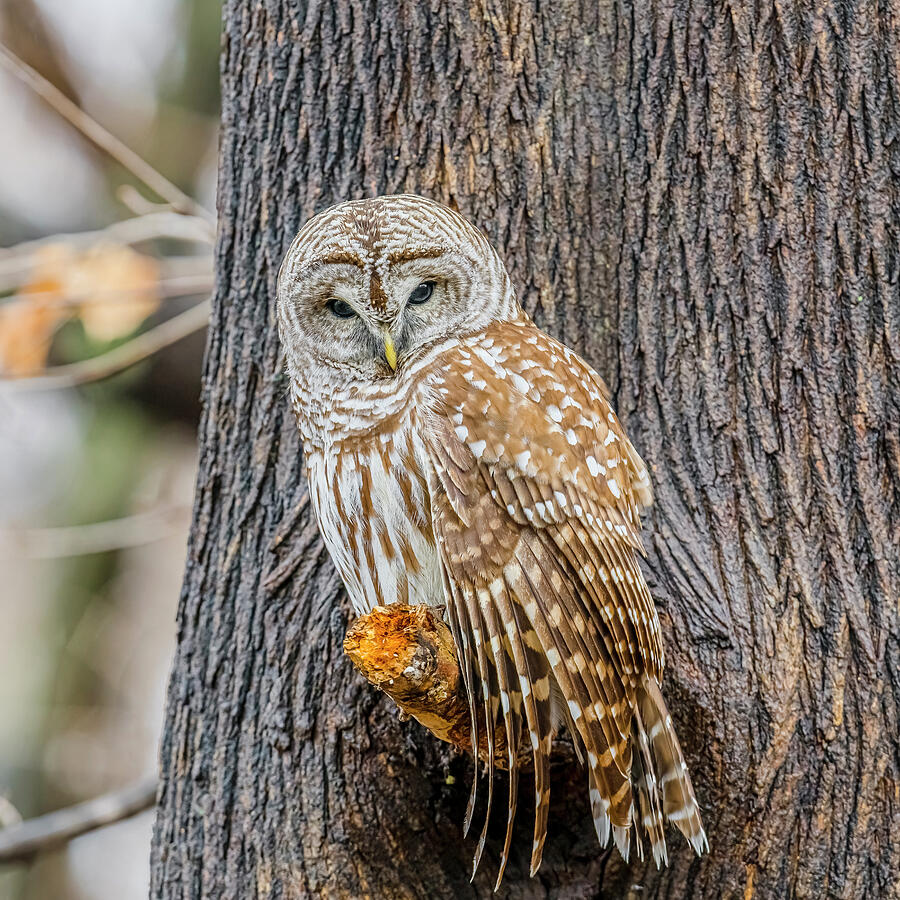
[
  {"x": 346, "y": 257},
  {"x": 343, "y": 256},
  {"x": 408, "y": 254}
]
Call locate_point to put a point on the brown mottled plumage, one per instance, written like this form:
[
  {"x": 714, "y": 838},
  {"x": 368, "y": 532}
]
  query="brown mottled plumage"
[{"x": 460, "y": 457}]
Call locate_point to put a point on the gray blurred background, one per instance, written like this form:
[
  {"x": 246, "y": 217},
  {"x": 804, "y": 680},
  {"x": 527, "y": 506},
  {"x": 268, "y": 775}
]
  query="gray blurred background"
[{"x": 96, "y": 480}]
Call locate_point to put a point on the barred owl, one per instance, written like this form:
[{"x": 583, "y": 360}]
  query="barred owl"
[{"x": 460, "y": 457}]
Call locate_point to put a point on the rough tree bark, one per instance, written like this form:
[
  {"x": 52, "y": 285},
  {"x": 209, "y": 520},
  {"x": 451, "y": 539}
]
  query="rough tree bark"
[{"x": 703, "y": 199}]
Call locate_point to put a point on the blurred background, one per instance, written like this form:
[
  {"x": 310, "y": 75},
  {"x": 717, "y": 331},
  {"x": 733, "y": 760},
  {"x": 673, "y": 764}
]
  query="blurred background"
[{"x": 97, "y": 269}]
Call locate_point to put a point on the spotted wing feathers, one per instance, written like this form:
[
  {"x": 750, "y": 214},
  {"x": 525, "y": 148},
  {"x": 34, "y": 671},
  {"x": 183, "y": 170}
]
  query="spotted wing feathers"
[{"x": 536, "y": 494}]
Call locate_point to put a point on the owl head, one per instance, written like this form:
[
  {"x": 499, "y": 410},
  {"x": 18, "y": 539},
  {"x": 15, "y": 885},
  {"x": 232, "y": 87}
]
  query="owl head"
[{"x": 368, "y": 285}]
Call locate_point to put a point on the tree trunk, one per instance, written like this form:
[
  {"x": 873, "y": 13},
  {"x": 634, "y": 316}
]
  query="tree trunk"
[{"x": 704, "y": 202}]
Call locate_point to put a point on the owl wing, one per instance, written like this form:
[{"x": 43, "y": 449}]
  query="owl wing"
[{"x": 535, "y": 503}]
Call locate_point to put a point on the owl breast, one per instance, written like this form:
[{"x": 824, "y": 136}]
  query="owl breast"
[{"x": 370, "y": 496}]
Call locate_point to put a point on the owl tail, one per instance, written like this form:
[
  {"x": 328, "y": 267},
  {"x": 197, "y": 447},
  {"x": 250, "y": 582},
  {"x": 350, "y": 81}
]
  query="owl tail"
[{"x": 660, "y": 777}]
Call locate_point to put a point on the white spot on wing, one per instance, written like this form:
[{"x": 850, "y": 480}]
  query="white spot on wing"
[{"x": 518, "y": 382}]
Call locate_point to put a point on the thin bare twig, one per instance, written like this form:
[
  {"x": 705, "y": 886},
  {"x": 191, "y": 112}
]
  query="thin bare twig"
[
  {"x": 97, "y": 134},
  {"x": 17, "y": 260},
  {"x": 117, "y": 359},
  {"x": 95, "y": 537},
  {"x": 166, "y": 288},
  {"x": 20, "y": 842},
  {"x": 131, "y": 197}
]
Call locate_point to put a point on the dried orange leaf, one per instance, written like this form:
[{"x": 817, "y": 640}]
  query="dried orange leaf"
[
  {"x": 118, "y": 288},
  {"x": 27, "y": 323}
]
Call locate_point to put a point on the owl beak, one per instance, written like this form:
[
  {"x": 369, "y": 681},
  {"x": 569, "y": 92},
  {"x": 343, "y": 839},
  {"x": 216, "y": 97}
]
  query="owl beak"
[{"x": 390, "y": 352}]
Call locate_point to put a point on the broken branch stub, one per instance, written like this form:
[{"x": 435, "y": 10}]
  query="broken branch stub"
[{"x": 409, "y": 653}]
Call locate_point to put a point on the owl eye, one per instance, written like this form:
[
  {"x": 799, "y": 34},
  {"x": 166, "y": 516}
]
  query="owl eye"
[
  {"x": 422, "y": 294},
  {"x": 341, "y": 308}
]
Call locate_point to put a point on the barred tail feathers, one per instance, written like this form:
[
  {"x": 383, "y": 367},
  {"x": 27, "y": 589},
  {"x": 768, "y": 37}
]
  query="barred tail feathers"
[{"x": 666, "y": 790}]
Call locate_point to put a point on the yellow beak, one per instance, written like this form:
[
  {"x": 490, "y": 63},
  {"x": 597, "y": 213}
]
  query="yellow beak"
[{"x": 390, "y": 353}]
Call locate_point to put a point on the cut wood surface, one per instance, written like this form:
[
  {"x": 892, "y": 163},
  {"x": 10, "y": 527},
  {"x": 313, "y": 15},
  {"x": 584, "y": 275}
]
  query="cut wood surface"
[{"x": 408, "y": 652}]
